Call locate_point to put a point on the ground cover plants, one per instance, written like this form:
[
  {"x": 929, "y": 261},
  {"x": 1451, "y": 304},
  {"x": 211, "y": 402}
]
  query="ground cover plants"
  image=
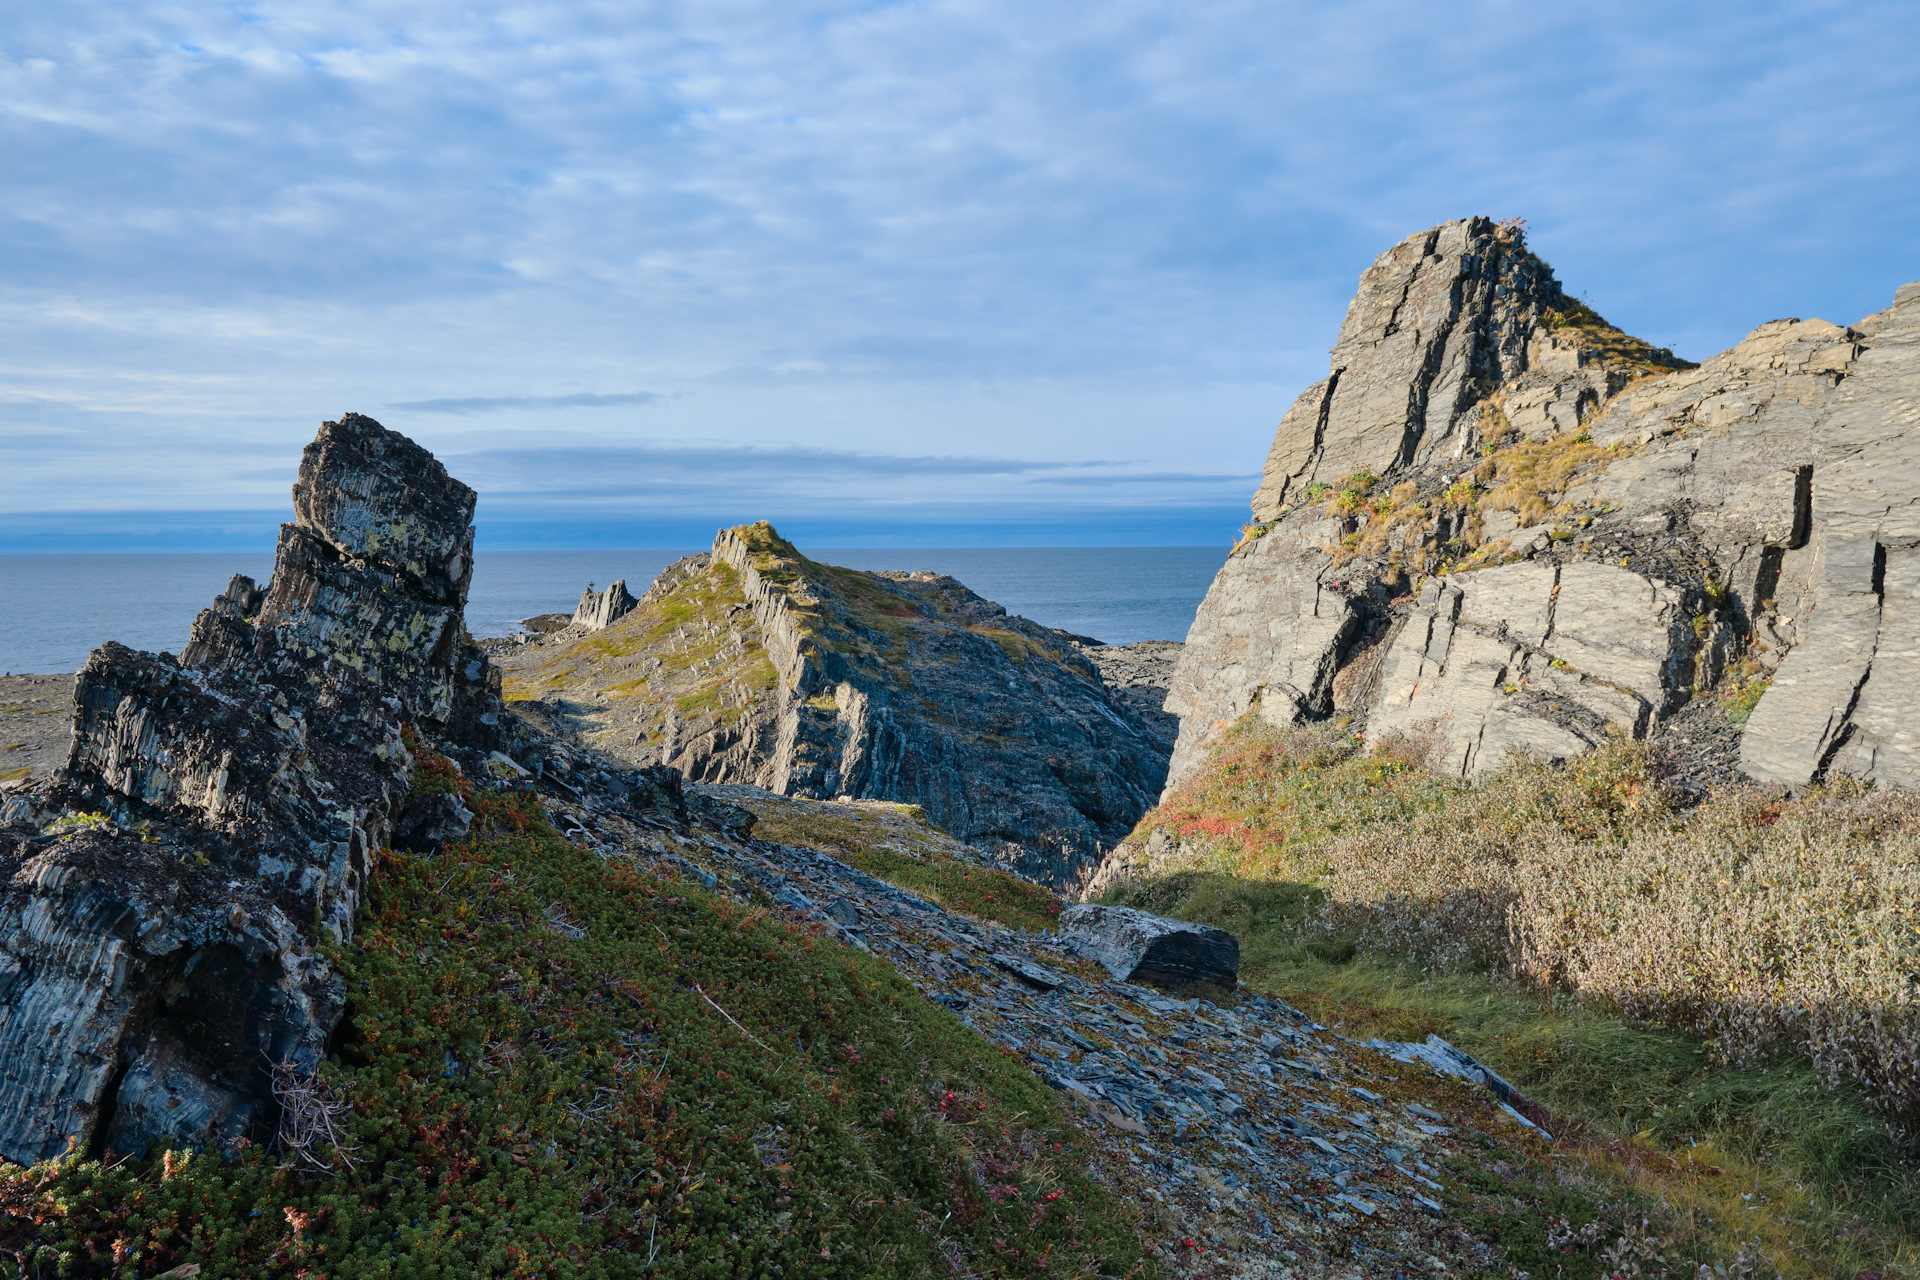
[
  {"x": 896, "y": 843},
  {"x": 557, "y": 1065},
  {"x": 1720, "y": 987}
]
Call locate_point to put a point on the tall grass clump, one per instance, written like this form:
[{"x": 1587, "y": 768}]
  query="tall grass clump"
[{"x": 1761, "y": 923}]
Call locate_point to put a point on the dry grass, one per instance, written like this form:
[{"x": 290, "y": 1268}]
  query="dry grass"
[
  {"x": 1763, "y": 924},
  {"x": 1718, "y": 1003},
  {"x": 1531, "y": 478}
]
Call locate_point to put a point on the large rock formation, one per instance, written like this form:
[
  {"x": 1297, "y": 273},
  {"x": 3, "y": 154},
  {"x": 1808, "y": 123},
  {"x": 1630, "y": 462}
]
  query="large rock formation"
[
  {"x": 598, "y": 610},
  {"x": 166, "y": 900},
  {"x": 1502, "y": 522},
  {"x": 752, "y": 664}
]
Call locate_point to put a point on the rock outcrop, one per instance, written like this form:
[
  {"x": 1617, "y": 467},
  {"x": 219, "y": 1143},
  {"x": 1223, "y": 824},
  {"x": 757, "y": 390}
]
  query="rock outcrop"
[
  {"x": 752, "y": 664},
  {"x": 601, "y": 609},
  {"x": 166, "y": 900},
  {"x": 1139, "y": 674},
  {"x": 1505, "y": 524}
]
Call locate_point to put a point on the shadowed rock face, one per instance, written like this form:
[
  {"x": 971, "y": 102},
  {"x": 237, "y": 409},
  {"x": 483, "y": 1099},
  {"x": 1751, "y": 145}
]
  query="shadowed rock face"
[
  {"x": 1504, "y": 524},
  {"x": 217, "y": 813}
]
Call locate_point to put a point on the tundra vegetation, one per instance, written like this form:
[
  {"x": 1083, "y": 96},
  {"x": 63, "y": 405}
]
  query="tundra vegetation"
[
  {"x": 559, "y": 1065},
  {"x": 1715, "y": 1000}
]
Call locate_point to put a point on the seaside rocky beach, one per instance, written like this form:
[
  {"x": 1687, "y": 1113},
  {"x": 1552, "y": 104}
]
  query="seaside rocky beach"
[{"x": 789, "y": 919}]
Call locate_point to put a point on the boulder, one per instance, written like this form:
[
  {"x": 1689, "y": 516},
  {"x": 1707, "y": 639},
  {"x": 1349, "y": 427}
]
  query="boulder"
[
  {"x": 1138, "y": 946},
  {"x": 166, "y": 901}
]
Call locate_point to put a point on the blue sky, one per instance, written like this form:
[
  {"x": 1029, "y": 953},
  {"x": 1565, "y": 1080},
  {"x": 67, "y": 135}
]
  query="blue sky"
[{"x": 940, "y": 272}]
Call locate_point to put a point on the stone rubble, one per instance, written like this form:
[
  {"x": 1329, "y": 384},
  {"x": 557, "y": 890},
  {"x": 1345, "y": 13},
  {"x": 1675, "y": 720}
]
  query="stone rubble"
[{"x": 1264, "y": 1142}]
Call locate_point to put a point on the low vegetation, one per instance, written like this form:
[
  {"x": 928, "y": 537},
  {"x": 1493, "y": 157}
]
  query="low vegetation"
[
  {"x": 896, "y": 843},
  {"x": 562, "y": 1066},
  {"x": 682, "y": 653},
  {"x": 1726, "y": 987},
  {"x": 1608, "y": 344}
]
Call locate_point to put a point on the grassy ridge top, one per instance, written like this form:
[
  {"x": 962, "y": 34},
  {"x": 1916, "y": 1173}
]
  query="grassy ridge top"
[
  {"x": 693, "y": 652},
  {"x": 563, "y": 1066},
  {"x": 864, "y": 616}
]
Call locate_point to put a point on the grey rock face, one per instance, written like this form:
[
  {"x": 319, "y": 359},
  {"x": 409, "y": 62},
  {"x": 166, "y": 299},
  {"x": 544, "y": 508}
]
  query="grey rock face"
[
  {"x": 1797, "y": 455},
  {"x": 1761, "y": 508},
  {"x": 599, "y": 609},
  {"x": 160, "y": 944},
  {"x": 1138, "y": 946},
  {"x": 1440, "y": 321}
]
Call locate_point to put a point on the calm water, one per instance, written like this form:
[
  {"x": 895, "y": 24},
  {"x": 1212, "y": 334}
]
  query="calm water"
[{"x": 55, "y": 609}]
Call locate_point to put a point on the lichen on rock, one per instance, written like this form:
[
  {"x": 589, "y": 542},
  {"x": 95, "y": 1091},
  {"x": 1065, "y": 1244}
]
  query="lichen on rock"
[
  {"x": 158, "y": 959},
  {"x": 1505, "y": 523}
]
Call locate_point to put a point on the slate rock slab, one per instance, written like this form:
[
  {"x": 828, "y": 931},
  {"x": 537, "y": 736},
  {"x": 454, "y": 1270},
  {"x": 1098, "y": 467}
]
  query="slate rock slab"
[{"x": 1138, "y": 946}]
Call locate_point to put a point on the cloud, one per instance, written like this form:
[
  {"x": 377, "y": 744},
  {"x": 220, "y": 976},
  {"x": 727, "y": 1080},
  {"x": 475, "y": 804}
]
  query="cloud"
[
  {"x": 968, "y": 227},
  {"x": 490, "y": 404},
  {"x": 679, "y": 477}
]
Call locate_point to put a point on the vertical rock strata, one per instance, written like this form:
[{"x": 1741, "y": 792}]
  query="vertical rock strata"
[
  {"x": 753, "y": 664},
  {"x": 164, "y": 903},
  {"x": 1503, "y": 523}
]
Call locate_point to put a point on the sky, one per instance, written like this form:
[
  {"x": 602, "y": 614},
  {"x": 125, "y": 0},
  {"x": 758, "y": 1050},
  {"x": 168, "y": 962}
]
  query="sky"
[{"x": 974, "y": 273}]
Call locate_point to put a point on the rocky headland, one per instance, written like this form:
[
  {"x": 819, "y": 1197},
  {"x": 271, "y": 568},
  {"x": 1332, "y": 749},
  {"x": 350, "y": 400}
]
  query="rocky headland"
[
  {"x": 312, "y": 901},
  {"x": 752, "y": 664}
]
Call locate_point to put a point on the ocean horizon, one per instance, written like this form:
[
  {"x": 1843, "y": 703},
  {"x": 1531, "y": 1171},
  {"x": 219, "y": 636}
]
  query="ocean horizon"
[{"x": 57, "y": 608}]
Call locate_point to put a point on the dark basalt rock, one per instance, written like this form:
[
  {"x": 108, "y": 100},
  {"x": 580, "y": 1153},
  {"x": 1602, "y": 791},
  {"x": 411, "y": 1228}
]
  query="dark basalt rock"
[
  {"x": 158, "y": 943},
  {"x": 1137, "y": 946}
]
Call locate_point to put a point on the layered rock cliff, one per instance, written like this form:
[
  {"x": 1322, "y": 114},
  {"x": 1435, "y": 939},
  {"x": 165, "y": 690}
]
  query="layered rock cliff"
[
  {"x": 752, "y": 664},
  {"x": 1505, "y": 524},
  {"x": 167, "y": 898}
]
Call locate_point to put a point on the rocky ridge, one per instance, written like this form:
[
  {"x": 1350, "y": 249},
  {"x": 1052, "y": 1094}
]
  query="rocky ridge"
[
  {"x": 1139, "y": 675},
  {"x": 168, "y": 892},
  {"x": 1502, "y": 524},
  {"x": 751, "y": 664}
]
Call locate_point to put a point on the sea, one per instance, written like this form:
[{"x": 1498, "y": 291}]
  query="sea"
[{"x": 54, "y": 609}]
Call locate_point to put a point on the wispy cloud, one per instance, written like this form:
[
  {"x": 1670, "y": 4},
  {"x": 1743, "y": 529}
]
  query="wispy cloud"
[
  {"x": 678, "y": 477},
  {"x": 987, "y": 229},
  {"x": 491, "y": 404}
]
